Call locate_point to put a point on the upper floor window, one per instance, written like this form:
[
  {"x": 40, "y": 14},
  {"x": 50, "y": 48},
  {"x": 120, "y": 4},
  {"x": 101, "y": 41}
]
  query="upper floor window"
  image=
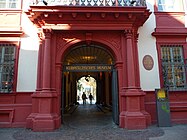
[
  {"x": 174, "y": 67},
  {"x": 12, "y": 4},
  {"x": 7, "y": 60},
  {"x": 171, "y": 5}
]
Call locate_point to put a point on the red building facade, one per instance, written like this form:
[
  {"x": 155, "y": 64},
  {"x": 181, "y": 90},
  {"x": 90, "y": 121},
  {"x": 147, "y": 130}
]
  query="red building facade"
[{"x": 67, "y": 33}]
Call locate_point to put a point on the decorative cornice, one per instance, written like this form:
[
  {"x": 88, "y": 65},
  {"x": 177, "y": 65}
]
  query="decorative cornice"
[
  {"x": 73, "y": 16},
  {"x": 11, "y": 33},
  {"x": 170, "y": 32}
]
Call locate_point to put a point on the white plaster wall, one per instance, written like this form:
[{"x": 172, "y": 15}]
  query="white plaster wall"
[
  {"x": 185, "y": 8},
  {"x": 28, "y": 57},
  {"x": 149, "y": 80}
]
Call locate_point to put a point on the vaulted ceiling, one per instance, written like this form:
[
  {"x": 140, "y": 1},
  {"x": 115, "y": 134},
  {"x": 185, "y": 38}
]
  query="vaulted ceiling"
[{"x": 88, "y": 54}]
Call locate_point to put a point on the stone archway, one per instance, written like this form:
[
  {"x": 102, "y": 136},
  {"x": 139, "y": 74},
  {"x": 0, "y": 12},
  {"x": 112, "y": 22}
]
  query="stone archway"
[
  {"x": 119, "y": 35},
  {"x": 94, "y": 60},
  {"x": 46, "y": 100}
]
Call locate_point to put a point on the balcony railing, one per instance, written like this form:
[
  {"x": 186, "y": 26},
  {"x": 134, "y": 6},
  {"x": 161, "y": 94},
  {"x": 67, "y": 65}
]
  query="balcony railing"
[{"x": 101, "y": 3}]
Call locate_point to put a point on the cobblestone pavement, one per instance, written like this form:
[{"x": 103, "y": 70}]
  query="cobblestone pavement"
[{"x": 89, "y": 122}]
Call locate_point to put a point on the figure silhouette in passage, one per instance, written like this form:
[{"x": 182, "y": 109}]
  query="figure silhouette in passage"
[
  {"x": 90, "y": 98},
  {"x": 84, "y": 98}
]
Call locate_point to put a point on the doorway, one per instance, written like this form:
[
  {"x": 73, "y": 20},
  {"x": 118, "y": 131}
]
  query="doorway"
[
  {"x": 89, "y": 69},
  {"x": 87, "y": 85}
]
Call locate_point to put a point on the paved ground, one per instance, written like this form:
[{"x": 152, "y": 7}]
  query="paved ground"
[{"x": 92, "y": 123}]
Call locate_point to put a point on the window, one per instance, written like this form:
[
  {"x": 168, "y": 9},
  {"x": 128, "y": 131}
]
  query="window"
[
  {"x": 170, "y": 5},
  {"x": 15, "y": 4},
  {"x": 174, "y": 68},
  {"x": 7, "y": 60}
]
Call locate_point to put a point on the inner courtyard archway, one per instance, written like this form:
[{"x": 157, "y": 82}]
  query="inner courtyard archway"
[{"x": 88, "y": 85}]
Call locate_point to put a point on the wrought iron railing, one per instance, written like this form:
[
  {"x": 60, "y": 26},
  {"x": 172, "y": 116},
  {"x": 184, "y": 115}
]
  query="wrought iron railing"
[
  {"x": 175, "y": 75},
  {"x": 89, "y": 2}
]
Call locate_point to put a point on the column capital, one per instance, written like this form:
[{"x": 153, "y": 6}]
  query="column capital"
[
  {"x": 47, "y": 33},
  {"x": 59, "y": 65},
  {"x": 131, "y": 33},
  {"x": 41, "y": 36},
  {"x": 128, "y": 31},
  {"x": 118, "y": 65}
]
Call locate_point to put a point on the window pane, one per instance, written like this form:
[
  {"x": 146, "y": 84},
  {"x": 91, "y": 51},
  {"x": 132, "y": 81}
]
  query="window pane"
[
  {"x": 7, "y": 56},
  {"x": 170, "y": 5},
  {"x": 173, "y": 66},
  {"x": 13, "y": 3},
  {"x": 2, "y": 3},
  {"x": 10, "y": 4}
]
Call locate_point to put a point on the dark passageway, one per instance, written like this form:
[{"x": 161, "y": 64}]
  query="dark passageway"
[{"x": 88, "y": 116}]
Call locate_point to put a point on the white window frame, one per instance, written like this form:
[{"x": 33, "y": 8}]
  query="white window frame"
[
  {"x": 9, "y": 3},
  {"x": 171, "y": 5}
]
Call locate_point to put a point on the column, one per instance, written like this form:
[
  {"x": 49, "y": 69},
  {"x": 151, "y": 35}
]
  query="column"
[
  {"x": 44, "y": 116},
  {"x": 130, "y": 61},
  {"x": 47, "y": 61},
  {"x": 40, "y": 56},
  {"x": 131, "y": 116},
  {"x": 58, "y": 87}
]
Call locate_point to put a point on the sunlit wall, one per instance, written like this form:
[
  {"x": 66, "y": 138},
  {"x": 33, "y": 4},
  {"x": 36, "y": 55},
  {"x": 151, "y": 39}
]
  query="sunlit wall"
[
  {"x": 28, "y": 55},
  {"x": 149, "y": 79}
]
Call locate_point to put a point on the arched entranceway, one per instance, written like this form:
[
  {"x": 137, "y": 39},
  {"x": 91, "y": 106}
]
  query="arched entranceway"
[
  {"x": 90, "y": 60},
  {"x": 71, "y": 51},
  {"x": 66, "y": 28}
]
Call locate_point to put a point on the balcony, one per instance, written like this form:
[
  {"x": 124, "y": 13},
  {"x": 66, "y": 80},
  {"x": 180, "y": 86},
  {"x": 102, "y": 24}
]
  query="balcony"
[
  {"x": 95, "y": 3},
  {"x": 88, "y": 14}
]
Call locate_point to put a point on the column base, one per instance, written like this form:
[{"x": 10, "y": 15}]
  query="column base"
[
  {"x": 43, "y": 122},
  {"x": 134, "y": 115},
  {"x": 29, "y": 120},
  {"x": 133, "y": 120},
  {"x": 43, "y": 116},
  {"x": 142, "y": 107},
  {"x": 148, "y": 117}
]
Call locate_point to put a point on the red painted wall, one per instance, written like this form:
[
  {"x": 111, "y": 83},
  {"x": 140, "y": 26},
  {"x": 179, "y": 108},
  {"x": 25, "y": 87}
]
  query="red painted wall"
[
  {"x": 12, "y": 105},
  {"x": 170, "y": 29},
  {"x": 178, "y": 106},
  {"x": 14, "y": 109}
]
